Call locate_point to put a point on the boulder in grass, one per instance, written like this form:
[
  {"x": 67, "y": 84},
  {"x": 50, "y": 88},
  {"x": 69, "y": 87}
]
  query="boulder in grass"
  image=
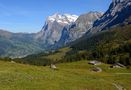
[
  {"x": 13, "y": 62},
  {"x": 52, "y": 66},
  {"x": 96, "y": 69}
]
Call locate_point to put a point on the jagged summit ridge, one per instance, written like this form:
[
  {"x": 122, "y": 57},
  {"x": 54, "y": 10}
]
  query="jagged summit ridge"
[
  {"x": 62, "y": 19},
  {"x": 119, "y": 11}
]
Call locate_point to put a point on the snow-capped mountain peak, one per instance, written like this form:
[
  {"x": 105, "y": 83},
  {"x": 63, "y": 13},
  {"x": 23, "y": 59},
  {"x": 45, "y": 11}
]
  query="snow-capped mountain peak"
[
  {"x": 62, "y": 19},
  {"x": 52, "y": 30}
]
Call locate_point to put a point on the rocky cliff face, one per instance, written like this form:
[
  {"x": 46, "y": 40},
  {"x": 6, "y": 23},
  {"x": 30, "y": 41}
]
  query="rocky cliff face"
[
  {"x": 117, "y": 14},
  {"x": 52, "y": 30},
  {"x": 83, "y": 24},
  {"x": 78, "y": 28}
]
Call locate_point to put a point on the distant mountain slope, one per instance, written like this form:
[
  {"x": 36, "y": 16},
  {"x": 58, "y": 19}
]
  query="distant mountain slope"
[
  {"x": 17, "y": 44},
  {"x": 79, "y": 28},
  {"x": 118, "y": 13},
  {"x": 83, "y": 24}
]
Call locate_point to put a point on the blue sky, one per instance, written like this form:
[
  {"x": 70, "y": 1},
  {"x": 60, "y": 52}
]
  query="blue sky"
[{"x": 30, "y": 15}]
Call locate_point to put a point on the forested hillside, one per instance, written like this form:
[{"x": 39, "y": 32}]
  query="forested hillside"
[{"x": 113, "y": 45}]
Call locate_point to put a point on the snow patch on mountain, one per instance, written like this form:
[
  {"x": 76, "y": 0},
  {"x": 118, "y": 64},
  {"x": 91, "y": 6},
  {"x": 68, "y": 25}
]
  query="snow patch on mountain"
[{"x": 62, "y": 19}]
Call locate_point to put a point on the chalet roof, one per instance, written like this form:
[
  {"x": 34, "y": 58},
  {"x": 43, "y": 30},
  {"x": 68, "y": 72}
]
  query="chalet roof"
[{"x": 119, "y": 64}]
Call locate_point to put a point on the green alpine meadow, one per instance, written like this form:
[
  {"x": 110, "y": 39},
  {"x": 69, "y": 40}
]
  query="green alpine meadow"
[{"x": 69, "y": 76}]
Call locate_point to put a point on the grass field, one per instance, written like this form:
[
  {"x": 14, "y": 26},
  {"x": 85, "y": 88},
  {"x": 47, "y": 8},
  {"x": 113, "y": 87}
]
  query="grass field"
[
  {"x": 69, "y": 76},
  {"x": 59, "y": 55}
]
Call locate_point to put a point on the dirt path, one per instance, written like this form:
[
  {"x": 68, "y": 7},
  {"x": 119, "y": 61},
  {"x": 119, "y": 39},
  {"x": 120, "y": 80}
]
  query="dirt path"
[
  {"x": 124, "y": 73},
  {"x": 119, "y": 87}
]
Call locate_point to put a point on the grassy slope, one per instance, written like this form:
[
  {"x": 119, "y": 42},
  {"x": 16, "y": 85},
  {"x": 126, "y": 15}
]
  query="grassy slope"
[
  {"x": 58, "y": 55},
  {"x": 70, "y": 76},
  {"x": 45, "y": 58}
]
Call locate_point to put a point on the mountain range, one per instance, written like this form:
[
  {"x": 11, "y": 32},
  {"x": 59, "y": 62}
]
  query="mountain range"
[
  {"x": 52, "y": 36},
  {"x": 60, "y": 30}
]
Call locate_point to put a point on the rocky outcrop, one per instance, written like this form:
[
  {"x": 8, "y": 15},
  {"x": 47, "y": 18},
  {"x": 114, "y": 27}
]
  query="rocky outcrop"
[{"x": 117, "y": 14}]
